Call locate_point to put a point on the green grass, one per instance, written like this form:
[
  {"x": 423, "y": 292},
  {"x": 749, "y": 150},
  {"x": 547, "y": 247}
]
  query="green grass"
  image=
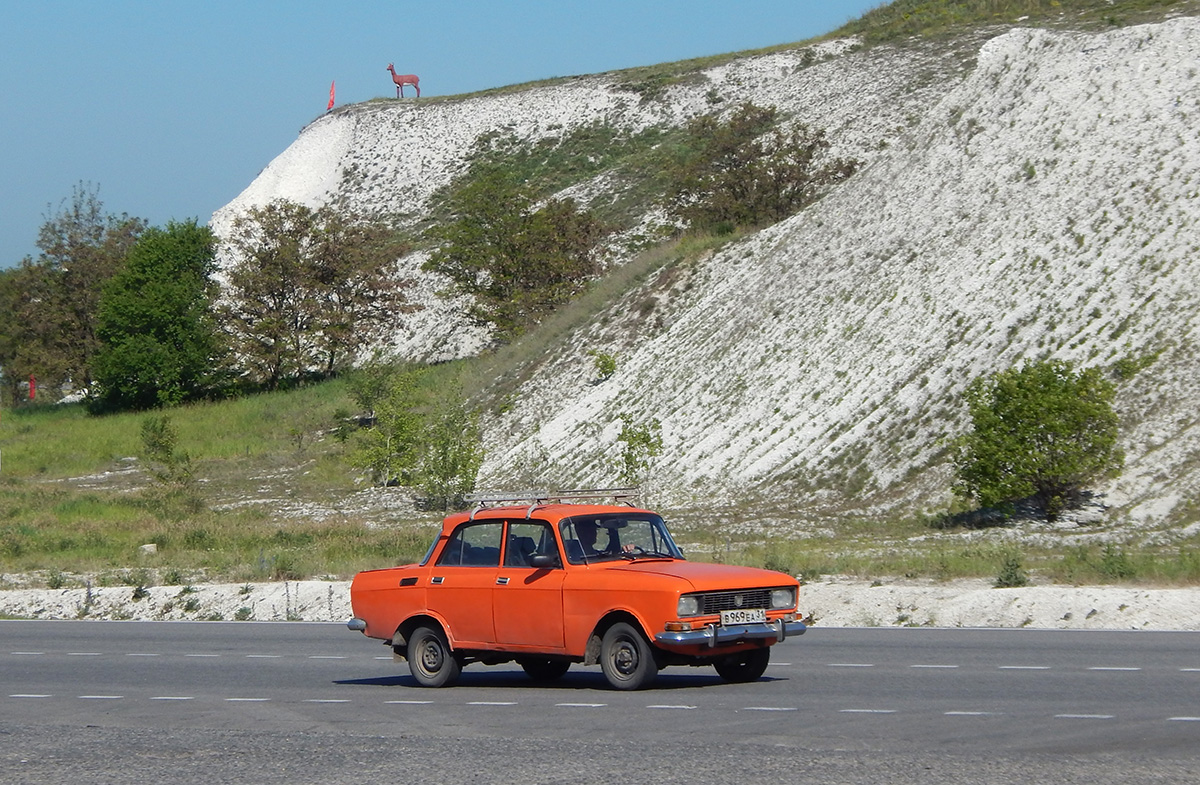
[
  {"x": 72, "y": 501},
  {"x": 930, "y": 18}
]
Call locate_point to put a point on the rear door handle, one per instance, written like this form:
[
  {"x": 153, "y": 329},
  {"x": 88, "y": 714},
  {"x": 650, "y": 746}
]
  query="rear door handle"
[{"x": 502, "y": 581}]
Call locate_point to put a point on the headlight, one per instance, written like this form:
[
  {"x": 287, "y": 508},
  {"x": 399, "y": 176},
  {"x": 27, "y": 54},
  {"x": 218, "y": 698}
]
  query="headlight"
[
  {"x": 783, "y": 599},
  {"x": 689, "y": 606}
]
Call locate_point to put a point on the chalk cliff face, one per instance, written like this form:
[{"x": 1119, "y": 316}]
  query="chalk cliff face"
[{"x": 1026, "y": 195}]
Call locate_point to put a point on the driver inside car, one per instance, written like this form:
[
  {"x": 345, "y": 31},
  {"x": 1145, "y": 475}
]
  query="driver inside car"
[{"x": 586, "y": 533}]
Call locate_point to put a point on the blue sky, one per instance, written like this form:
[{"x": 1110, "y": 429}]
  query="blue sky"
[{"x": 172, "y": 108}]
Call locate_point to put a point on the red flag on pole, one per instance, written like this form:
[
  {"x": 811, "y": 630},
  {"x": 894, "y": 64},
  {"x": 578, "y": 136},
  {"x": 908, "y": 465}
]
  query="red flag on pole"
[
  {"x": 330, "y": 97},
  {"x": 32, "y": 387}
]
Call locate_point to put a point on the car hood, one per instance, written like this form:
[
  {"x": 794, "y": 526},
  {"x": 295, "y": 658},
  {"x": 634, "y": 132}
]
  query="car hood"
[{"x": 709, "y": 577}]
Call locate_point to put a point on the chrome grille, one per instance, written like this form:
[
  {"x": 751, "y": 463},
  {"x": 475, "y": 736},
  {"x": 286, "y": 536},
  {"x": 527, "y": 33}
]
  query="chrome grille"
[{"x": 733, "y": 600}]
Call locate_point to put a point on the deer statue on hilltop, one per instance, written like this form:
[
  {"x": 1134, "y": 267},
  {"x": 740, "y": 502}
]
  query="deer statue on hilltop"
[{"x": 403, "y": 79}]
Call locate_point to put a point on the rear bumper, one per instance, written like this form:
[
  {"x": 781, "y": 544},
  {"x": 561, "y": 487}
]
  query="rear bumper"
[
  {"x": 713, "y": 635},
  {"x": 356, "y": 624}
]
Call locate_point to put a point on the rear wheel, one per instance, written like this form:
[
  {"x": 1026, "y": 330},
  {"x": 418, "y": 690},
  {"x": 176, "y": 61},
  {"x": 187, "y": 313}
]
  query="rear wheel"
[
  {"x": 545, "y": 670},
  {"x": 430, "y": 660},
  {"x": 627, "y": 658},
  {"x": 744, "y": 666}
]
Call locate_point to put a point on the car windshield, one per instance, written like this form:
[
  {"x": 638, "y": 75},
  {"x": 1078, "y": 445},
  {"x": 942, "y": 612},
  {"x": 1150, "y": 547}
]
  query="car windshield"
[{"x": 612, "y": 536}]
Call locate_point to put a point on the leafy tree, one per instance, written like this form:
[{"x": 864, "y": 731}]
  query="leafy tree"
[
  {"x": 48, "y": 327},
  {"x": 450, "y": 457},
  {"x": 390, "y": 449},
  {"x": 1043, "y": 431},
  {"x": 746, "y": 172},
  {"x": 518, "y": 261},
  {"x": 15, "y": 359},
  {"x": 159, "y": 340},
  {"x": 308, "y": 289},
  {"x": 356, "y": 296},
  {"x": 423, "y": 439}
]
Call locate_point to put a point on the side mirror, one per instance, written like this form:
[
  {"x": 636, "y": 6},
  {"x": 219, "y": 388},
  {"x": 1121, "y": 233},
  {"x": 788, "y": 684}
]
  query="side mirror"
[{"x": 543, "y": 562}]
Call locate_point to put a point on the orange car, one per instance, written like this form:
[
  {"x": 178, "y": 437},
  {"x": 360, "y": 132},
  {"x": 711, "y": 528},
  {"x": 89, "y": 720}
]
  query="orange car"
[{"x": 548, "y": 584}]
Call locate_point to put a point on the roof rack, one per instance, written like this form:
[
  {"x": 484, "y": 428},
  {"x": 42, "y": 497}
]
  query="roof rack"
[{"x": 536, "y": 499}]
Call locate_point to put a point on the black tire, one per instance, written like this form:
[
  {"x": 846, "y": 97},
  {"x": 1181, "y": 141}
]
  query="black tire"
[
  {"x": 744, "y": 666},
  {"x": 627, "y": 658},
  {"x": 545, "y": 670},
  {"x": 430, "y": 660}
]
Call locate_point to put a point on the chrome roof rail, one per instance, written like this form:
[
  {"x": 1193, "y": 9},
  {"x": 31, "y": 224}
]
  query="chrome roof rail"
[{"x": 535, "y": 499}]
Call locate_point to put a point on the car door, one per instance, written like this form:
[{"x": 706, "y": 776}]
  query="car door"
[
  {"x": 526, "y": 600},
  {"x": 461, "y": 581}
]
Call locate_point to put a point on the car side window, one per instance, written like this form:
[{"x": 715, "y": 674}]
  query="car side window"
[
  {"x": 527, "y": 539},
  {"x": 473, "y": 545}
]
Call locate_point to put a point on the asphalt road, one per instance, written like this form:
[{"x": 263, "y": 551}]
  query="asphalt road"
[{"x": 139, "y": 702}]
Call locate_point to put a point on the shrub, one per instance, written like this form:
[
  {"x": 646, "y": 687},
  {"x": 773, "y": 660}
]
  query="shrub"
[
  {"x": 745, "y": 172},
  {"x": 604, "y": 363},
  {"x": 1040, "y": 431},
  {"x": 518, "y": 262},
  {"x": 1012, "y": 573},
  {"x": 640, "y": 443}
]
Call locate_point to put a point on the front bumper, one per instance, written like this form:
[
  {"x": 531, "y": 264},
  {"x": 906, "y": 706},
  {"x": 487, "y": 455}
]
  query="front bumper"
[{"x": 714, "y": 635}]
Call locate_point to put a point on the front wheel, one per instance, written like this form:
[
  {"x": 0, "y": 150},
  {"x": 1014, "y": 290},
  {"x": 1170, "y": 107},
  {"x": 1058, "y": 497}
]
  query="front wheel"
[
  {"x": 430, "y": 660},
  {"x": 744, "y": 666},
  {"x": 626, "y": 658}
]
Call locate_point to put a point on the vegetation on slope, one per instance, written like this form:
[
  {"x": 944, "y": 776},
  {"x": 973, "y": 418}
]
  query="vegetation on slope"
[{"x": 907, "y": 18}]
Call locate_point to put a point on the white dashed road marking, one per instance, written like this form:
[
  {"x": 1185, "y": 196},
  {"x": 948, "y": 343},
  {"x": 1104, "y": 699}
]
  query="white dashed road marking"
[
  {"x": 101, "y": 697},
  {"x": 30, "y": 695},
  {"x": 173, "y": 698},
  {"x": 770, "y": 708},
  {"x": 868, "y": 711}
]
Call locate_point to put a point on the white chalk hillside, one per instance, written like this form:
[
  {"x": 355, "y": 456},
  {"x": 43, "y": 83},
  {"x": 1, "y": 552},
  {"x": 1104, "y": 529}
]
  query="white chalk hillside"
[{"x": 1035, "y": 196}]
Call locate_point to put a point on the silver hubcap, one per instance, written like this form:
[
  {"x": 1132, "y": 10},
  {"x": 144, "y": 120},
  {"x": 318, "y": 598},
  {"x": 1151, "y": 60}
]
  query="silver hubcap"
[
  {"x": 431, "y": 657},
  {"x": 625, "y": 658}
]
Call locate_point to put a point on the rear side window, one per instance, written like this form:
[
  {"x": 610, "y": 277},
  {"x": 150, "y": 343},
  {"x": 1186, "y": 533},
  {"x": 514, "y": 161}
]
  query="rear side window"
[
  {"x": 527, "y": 539},
  {"x": 473, "y": 545}
]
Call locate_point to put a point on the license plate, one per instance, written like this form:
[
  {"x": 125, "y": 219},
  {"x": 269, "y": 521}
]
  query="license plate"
[{"x": 743, "y": 616}]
